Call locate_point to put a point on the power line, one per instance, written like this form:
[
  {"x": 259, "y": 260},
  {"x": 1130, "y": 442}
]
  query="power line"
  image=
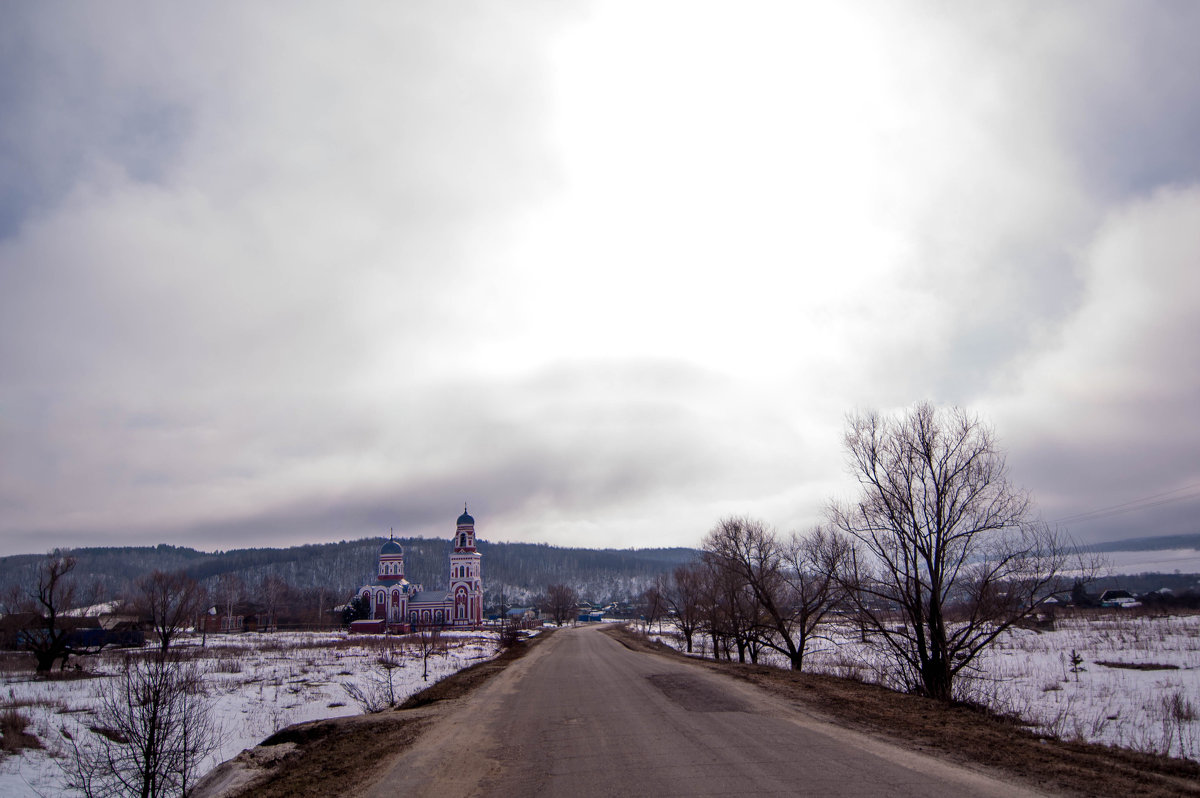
[{"x": 1144, "y": 503}]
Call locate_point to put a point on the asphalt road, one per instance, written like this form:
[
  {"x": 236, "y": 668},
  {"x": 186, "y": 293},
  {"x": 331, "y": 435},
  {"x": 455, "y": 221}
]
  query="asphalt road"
[{"x": 583, "y": 716}]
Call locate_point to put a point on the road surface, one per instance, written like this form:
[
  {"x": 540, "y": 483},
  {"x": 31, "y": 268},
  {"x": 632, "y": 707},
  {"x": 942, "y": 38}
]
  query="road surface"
[{"x": 582, "y": 716}]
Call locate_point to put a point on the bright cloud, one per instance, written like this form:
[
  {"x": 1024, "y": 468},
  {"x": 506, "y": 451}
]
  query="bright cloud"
[{"x": 606, "y": 272}]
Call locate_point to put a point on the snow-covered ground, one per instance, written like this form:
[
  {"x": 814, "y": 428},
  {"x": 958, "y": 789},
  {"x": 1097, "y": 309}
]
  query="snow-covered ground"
[
  {"x": 1162, "y": 561},
  {"x": 259, "y": 683},
  {"x": 1030, "y": 674}
]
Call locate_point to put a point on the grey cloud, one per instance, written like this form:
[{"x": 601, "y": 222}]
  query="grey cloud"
[
  {"x": 1105, "y": 414},
  {"x": 584, "y": 444},
  {"x": 250, "y": 260}
]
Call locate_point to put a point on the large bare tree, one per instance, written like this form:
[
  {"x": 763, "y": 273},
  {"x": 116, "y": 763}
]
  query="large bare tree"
[
  {"x": 948, "y": 553},
  {"x": 54, "y": 593},
  {"x": 171, "y": 602}
]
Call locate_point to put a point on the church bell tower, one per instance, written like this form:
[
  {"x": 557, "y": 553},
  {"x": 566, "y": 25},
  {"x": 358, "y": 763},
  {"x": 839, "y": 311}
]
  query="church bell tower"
[{"x": 466, "y": 578}]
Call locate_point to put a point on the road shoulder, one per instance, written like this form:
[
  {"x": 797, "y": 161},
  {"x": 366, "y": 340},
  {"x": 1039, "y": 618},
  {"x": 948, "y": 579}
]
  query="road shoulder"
[
  {"x": 303, "y": 760},
  {"x": 964, "y": 735}
]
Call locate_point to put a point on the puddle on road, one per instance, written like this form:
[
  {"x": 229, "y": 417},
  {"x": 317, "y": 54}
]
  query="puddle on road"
[{"x": 695, "y": 695}]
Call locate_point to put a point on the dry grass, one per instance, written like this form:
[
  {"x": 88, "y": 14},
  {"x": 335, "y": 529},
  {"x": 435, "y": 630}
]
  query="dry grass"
[
  {"x": 346, "y": 751},
  {"x": 13, "y": 734}
]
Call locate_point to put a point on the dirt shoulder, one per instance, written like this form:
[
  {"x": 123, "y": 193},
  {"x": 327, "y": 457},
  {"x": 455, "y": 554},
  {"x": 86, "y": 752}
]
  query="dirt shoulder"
[
  {"x": 963, "y": 734},
  {"x": 304, "y": 760}
]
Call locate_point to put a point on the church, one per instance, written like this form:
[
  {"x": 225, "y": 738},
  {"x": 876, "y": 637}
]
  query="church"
[{"x": 398, "y": 605}]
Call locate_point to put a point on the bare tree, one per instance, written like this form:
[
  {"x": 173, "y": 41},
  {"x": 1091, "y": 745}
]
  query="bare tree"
[
  {"x": 378, "y": 690},
  {"x": 791, "y": 581},
  {"x": 153, "y": 728},
  {"x": 53, "y": 595},
  {"x": 654, "y": 605},
  {"x": 732, "y": 613},
  {"x": 229, "y": 592},
  {"x": 429, "y": 642},
  {"x": 171, "y": 602},
  {"x": 813, "y": 589},
  {"x": 684, "y": 593},
  {"x": 273, "y": 590},
  {"x": 561, "y": 601},
  {"x": 943, "y": 539}
]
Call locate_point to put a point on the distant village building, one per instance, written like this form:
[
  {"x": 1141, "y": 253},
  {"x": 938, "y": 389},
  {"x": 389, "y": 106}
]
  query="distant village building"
[{"x": 398, "y": 603}]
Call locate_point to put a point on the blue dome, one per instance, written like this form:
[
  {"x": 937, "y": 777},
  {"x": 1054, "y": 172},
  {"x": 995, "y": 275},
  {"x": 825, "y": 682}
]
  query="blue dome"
[
  {"x": 464, "y": 518},
  {"x": 391, "y": 547}
]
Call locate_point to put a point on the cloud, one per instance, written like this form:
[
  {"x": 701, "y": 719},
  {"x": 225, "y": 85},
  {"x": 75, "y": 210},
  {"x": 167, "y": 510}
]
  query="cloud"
[
  {"x": 607, "y": 273},
  {"x": 186, "y": 320},
  {"x": 1103, "y": 415}
]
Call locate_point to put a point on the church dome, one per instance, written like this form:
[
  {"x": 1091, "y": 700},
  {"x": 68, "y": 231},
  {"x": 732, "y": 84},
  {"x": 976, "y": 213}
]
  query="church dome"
[
  {"x": 391, "y": 547},
  {"x": 465, "y": 518}
]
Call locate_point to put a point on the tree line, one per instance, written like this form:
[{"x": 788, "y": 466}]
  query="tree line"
[
  {"x": 516, "y": 571},
  {"x": 937, "y": 555}
]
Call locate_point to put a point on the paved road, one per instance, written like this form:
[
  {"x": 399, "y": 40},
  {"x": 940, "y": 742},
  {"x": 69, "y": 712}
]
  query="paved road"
[{"x": 583, "y": 716}]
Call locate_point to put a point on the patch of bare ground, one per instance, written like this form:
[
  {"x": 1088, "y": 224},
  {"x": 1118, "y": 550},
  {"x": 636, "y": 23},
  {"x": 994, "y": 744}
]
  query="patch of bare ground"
[
  {"x": 965, "y": 734},
  {"x": 13, "y": 734},
  {"x": 339, "y": 756}
]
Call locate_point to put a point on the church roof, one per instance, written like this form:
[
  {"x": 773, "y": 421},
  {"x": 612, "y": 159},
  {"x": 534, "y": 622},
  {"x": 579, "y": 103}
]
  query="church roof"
[
  {"x": 391, "y": 547},
  {"x": 392, "y": 582},
  {"x": 429, "y": 597},
  {"x": 465, "y": 518}
]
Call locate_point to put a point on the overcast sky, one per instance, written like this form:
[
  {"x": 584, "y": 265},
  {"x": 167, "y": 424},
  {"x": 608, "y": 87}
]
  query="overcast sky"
[{"x": 282, "y": 273}]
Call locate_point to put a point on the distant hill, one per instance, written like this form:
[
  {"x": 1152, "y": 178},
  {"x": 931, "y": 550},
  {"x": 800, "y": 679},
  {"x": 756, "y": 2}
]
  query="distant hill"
[
  {"x": 519, "y": 571},
  {"x": 1149, "y": 544}
]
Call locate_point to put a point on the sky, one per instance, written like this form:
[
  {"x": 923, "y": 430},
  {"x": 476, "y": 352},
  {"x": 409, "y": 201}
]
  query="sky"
[{"x": 281, "y": 273}]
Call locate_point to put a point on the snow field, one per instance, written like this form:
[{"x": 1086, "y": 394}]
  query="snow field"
[
  {"x": 1029, "y": 674},
  {"x": 258, "y": 684}
]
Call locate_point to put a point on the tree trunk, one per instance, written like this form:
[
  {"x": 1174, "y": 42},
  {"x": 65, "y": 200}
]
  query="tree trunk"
[{"x": 936, "y": 679}]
